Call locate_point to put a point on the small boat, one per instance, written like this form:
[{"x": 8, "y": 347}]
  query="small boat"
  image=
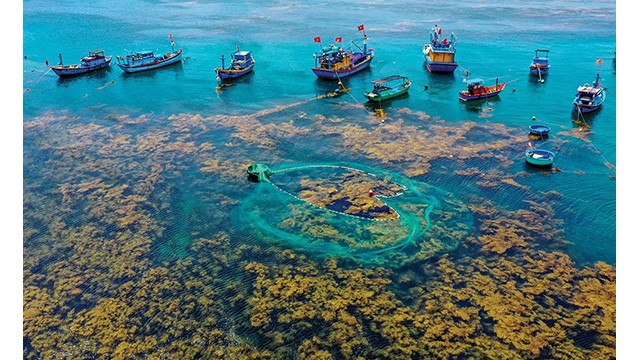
[
  {"x": 388, "y": 88},
  {"x": 540, "y": 63},
  {"x": 147, "y": 60},
  {"x": 476, "y": 90},
  {"x": 439, "y": 54},
  {"x": 539, "y": 129},
  {"x": 241, "y": 64},
  {"x": 334, "y": 62},
  {"x": 539, "y": 157},
  {"x": 590, "y": 98},
  {"x": 94, "y": 61}
]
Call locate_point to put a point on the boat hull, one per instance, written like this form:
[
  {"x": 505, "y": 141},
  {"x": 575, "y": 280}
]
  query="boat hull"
[
  {"x": 539, "y": 157},
  {"x": 538, "y": 71},
  {"x": 491, "y": 92},
  {"x": 333, "y": 75},
  {"x": 541, "y": 130},
  {"x": 228, "y": 74},
  {"x": 68, "y": 71},
  {"x": 440, "y": 67},
  {"x": 134, "y": 69}
]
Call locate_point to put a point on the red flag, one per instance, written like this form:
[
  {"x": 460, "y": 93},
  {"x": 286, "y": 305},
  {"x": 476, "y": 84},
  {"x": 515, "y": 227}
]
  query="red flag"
[
  {"x": 317, "y": 39},
  {"x": 237, "y": 48},
  {"x": 339, "y": 39},
  {"x": 439, "y": 31},
  {"x": 46, "y": 62},
  {"x": 444, "y": 41},
  {"x": 599, "y": 61},
  {"x": 360, "y": 27},
  {"x": 170, "y": 37}
]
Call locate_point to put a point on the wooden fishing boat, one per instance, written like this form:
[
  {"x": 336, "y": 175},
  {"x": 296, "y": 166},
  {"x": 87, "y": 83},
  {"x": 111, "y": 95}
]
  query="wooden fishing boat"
[
  {"x": 388, "y": 87},
  {"x": 334, "y": 62},
  {"x": 477, "y": 90},
  {"x": 539, "y": 157},
  {"x": 241, "y": 64},
  {"x": 94, "y": 61},
  {"x": 540, "y": 63},
  {"x": 439, "y": 54},
  {"x": 539, "y": 129},
  {"x": 147, "y": 60},
  {"x": 590, "y": 98}
]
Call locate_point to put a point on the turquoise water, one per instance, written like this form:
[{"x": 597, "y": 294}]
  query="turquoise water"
[
  {"x": 282, "y": 44},
  {"x": 136, "y": 131}
]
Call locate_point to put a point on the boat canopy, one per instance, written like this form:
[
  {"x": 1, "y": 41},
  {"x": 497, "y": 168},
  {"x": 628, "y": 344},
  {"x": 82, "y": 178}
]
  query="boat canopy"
[
  {"x": 476, "y": 81},
  {"x": 589, "y": 90},
  {"x": 385, "y": 80},
  {"x": 330, "y": 49},
  {"x": 96, "y": 53}
]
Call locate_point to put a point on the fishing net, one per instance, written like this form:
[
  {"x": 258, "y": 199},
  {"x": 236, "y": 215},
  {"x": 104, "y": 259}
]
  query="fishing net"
[{"x": 354, "y": 211}]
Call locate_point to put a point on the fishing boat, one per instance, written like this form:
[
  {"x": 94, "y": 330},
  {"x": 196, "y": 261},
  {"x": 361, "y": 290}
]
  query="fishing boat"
[
  {"x": 540, "y": 63},
  {"x": 388, "y": 87},
  {"x": 147, "y": 60},
  {"x": 439, "y": 54},
  {"x": 241, "y": 64},
  {"x": 539, "y": 129},
  {"x": 539, "y": 157},
  {"x": 335, "y": 62},
  {"x": 477, "y": 90},
  {"x": 94, "y": 61},
  {"x": 590, "y": 98}
]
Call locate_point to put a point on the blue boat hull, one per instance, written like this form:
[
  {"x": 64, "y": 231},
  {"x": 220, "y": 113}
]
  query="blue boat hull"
[
  {"x": 66, "y": 71},
  {"x": 542, "y": 72},
  {"x": 334, "y": 75},
  {"x": 134, "y": 69},
  {"x": 440, "y": 67},
  {"x": 228, "y": 75}
]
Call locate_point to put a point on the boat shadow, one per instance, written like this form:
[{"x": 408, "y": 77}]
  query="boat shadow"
[
  {"x": 480, "y": 105},
  {"x": 375, "y": 106},
  {"x": 534, "y": 80}
]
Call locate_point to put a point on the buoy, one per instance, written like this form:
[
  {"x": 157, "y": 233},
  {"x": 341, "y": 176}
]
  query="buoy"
[{"x": 533, "y": 118}]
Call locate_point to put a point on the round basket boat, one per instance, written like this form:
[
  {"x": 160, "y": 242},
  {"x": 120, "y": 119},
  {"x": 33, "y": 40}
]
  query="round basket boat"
[
  {"x": 539, "y": 129},
  {"x": 539, "y": 157}
]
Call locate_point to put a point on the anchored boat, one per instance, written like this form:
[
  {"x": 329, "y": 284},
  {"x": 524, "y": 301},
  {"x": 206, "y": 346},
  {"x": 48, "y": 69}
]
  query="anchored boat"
[
  {"x": 477, "y": 90},
  {"x": 439, "y": 54},
  {"x": 334, "y": 62},
  {"x": 241, "y": 64},
  {"x": 539, "y": 157},
  {"x": 388, "y": 87},
  {"x": 539, "y": 129},
  {"x": 94, "y": 61},
  {"x": 147, "y": 60},
  {"x": 540, "y": 63},
  {"x": 590, "y": 98}
]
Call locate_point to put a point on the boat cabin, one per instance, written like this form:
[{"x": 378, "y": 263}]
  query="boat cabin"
[
  {"x": 140, "y": 58},
  {"x": 332, "y": 58},
  {"x": 383, "y": 84},
  {"x": 475, "y": 86},
  {"x": 241, "y": 59},
  {"x": 95, "y": 57},
  {"x": 541, "y": 58}
]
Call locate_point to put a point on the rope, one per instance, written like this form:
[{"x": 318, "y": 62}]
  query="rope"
[{"x": 612, "y": 167}]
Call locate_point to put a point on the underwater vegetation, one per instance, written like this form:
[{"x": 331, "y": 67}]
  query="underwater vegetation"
[{"x": 135, "y": 244}]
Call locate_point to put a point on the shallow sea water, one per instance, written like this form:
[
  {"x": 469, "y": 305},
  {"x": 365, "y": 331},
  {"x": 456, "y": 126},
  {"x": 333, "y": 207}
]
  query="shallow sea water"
[{"x": 126, "y": 176}]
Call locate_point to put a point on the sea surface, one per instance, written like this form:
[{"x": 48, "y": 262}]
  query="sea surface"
[{"x": 144, "y": 238}]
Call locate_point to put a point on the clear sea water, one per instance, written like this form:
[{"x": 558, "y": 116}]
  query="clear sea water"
[{"x": 495, "y": 39}]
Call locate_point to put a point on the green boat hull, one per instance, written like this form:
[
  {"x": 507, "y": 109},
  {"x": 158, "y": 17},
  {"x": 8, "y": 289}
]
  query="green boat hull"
[{"x": 387, "y": 94}]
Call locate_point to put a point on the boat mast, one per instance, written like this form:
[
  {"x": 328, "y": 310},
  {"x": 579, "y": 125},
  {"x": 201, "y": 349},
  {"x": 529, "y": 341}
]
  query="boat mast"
[
  {"x": 60, "y": 56},
  {"x": 222, "y": 58}
]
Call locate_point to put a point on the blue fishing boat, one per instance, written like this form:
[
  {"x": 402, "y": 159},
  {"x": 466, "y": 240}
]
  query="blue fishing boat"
[
  {"x": 540, "y": 63},
  {"x": 335, "y": 62},
  {"x": 439, "y": 54},
  {"x": 590, "y": 98},
  {"x": 477, "y": 90},
  {"x": 147, "y": 60},
  {"x": 539, "y": 157},
  {"x": 539, "y": 129},
  {"x": 241, "y": 64},
  {"x": 94, "y": 61}
]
